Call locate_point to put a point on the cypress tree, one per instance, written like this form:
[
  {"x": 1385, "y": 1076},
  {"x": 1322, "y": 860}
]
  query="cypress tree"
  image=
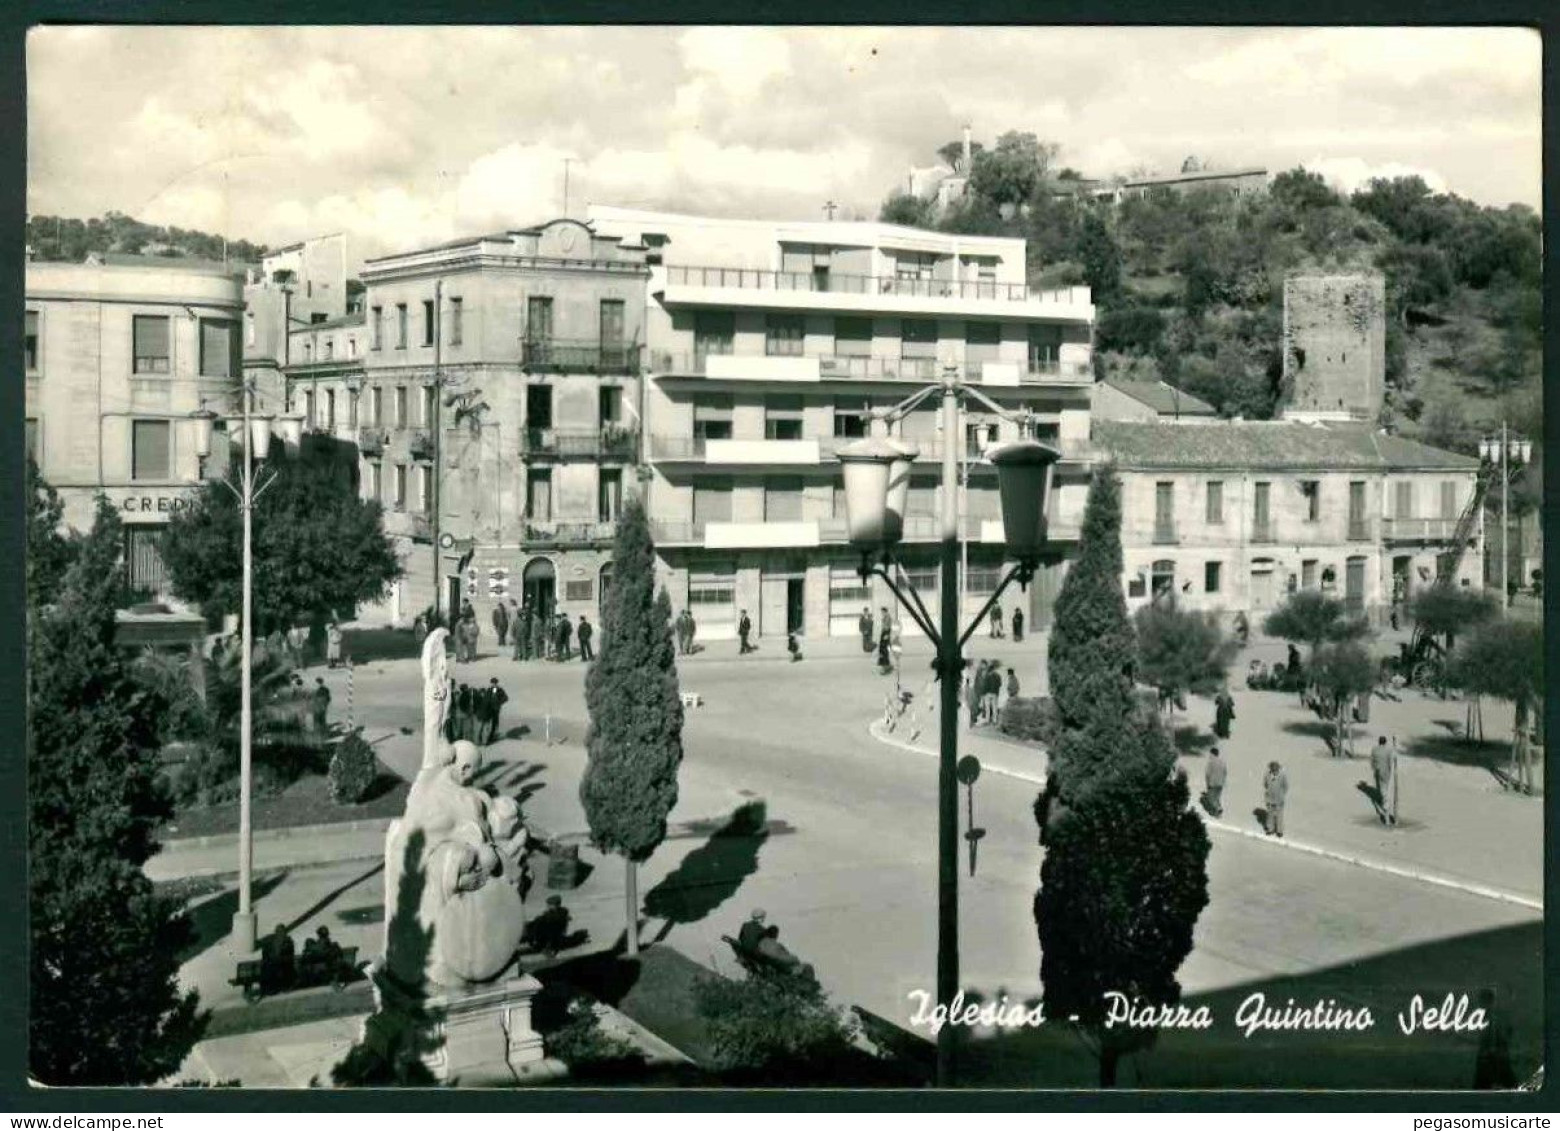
[
  {"x": 106, "y": 1006},
  {"x": 634, "y": 744}
]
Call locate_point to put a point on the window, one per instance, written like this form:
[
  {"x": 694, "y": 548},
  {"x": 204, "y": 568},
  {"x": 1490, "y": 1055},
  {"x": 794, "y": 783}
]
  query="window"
[
  {"x": 401, "y": 418},
  {"x": 32, "y": 440},
  {"x": 713, "y": 332},
  {"x": 1164, "y": 511},
  {"x": 539, "y": 494},
  {"x": 712, "y": 596},
  {"x": 918, "y": 338},
  {"x": 853, "y": 337},
  {"x": 1137, "y": 586},
  {"x": 400, "y": 325},
  {"x": 982, "y": 580},
  {"x": 609, "y": 495},
  {"x": 784, "y": 335},
  {"x": 429, "y": 317},
  {"x": 538, "y": 318},
  {"x": 151, "y": 343},
  {"x": 1261, "y": 518},
  {"x": 783, "y": 498},
  {"x": 712, "y": 500},
  {"x": 983, "y": 502},
  {"x": 151, "y": 449},
  {"x": 1356, "y": 509},
  {"x": 376, "y": 481},
  {"x": 1311, "y": 489},
  {"x": 308, "y": 408},
  {"x": 982, "y": 343},
  {"x": 249, "y": 329},
  {"x": 457, "y": 320},
  {"x": 400, "y": 486},
  {"x": 609, "y": 404},
  {"x": 1308, "y": 573},
  {"x": 1045, "y": 348},
  {"x": 330, "y": 349},
  {"x": 783, "y": 417},
  {"x": 351, "y": 346},
  {"x": 352, "y": 408},
  {"x": 30, "y": 341},
  {"x": 318, "y": 317},
  {"x": 850, "y": 420},
  {"x": 330, "y": 408},
  {"x": 1403, "y": 499},
  {"x": 1161, "y": 580},
  {"x": 376, "y": 406},
  {"x": 1214, "y": 508},
  {"x": 425, "y": 490},
  {"x": 847, "y": 591},
  {"x": 308, "y": 351},
  {"x": 429, "y": 405},
  {"x": 712, "y": 416},
  {"x": 1213, "y": 577},
  {"x": 579, "y": 590},
  {"x": 611, "y": 321},
  {"x": 376, "y": 326},
  {"x": 922, "y": 578},
  {"x": 1448, "y": 498},
  {"x": 538, "y": 406},
  {"x": 922, "y": 501}
]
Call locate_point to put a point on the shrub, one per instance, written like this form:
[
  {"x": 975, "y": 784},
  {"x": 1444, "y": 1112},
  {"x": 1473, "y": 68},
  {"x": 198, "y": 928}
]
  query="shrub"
[
  {"x": 352, "y": 769},
  {"x": 580, "y": 1043},
  {"x": 1033, "y": 719},
  {"x": 774, "y": 1029}
]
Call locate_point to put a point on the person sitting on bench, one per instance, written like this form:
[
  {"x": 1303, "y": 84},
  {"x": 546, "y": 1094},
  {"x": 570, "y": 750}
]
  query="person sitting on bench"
[
  {"x": 778, "y": 956},
  {"x": 752, "y": 933},
  {"x": 278, "y": 961}
]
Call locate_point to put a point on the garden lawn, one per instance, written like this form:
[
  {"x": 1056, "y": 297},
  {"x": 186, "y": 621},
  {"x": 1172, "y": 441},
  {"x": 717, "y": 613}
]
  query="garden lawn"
[{"x": 306, "y": 801}]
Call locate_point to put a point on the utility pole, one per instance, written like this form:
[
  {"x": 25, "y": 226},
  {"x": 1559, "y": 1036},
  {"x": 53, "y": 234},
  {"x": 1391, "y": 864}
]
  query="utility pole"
[
  {"x": 1505, "y": 518},
  {"x": 948, "y": 665},
  {"x": 437, "y": 439},
  {"x": 244, "y": 919}
]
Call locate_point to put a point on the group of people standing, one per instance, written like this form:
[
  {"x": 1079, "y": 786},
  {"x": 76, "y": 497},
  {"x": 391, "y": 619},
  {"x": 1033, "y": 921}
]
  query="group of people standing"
[
  {"x": 983, "y": 690},
  {"x": 530, "y": 633},
  {"x": 686, "y": 628},
  {"x": 474, "y": 712}
]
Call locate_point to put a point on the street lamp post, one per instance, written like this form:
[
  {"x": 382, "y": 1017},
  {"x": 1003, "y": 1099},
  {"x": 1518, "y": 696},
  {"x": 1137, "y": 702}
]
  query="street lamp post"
[
  {"x": 1505, "y": 450},
  {"x": 876, "y": 475}
]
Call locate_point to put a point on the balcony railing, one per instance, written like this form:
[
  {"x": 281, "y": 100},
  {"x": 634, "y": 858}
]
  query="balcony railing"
[
  {"x": 554, "y": 355},
  {"x": 839, "y": 367},
  {"x": 677, "y": 533},
  {"x": 419, "y": 441},
  {"x": 1418, "y": 529},
  {"x": 1359, "y": 530},
  {"x": 831, "y": 282},
  {"x": 371, "y": 441},
  {"x": 569, "y": 533},
  {"x": 579, "y": 443},
  {"x": 1263, "y": 532},
  {"x": 1164, "y": 535}
]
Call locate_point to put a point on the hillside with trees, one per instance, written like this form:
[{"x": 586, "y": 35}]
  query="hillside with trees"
[
  {"x": 62, "y": 239},
  {"x": 1189, "y": 288}
]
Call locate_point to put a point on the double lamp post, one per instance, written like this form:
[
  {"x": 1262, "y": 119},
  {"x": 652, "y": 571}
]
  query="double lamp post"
[
  {"x": 1506, "y": 452},
  {"x": 877, "y": 484}
]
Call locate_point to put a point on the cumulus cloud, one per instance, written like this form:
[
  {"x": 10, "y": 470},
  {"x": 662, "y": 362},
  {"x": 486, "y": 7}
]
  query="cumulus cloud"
[{"x": 1349, "y": 173}]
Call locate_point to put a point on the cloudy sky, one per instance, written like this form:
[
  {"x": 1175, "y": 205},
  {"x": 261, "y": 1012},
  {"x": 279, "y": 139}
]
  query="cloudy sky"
[{"x": 405, "y": 136}]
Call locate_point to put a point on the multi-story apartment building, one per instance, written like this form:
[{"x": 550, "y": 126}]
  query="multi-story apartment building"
[
  {"x": 1233, "y": 516},
  {"x": 492, "y": 387},
  {"x": 769, "y": 343},
  {"x": 302, "y": 285},
  {"x": 117, "y": 358}
]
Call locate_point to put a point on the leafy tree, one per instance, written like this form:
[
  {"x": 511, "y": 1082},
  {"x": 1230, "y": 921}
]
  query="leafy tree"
[
  {"x": 1338, "y": 674},
  {"x": 1505, "y": 659},
  {"x": 1313, "y": 618},
  {"x": 49, "y": 552},
  {"x": 318, "y": 548},
  {"x": 1299, "y": 189},
  {"x": 952, "y": 154},
  {"x": 106, "y": 1008},
  {"x": 634, "y": 744},
  {"x": 1446, "y": 611},
  {"x": 1010, "y": 173},
  {"x": 911, "y": 211},
  {"x": 353, "y": 769},
  {"x": 1400, "y": 203},
  {"x": 1181, "y": 651},
  {"x": 1124, "y": 879},
  {"x": 1101, "y": 259},
  {"x": 772, "y": 1029},
  {"x": 1129, "y": 329}
]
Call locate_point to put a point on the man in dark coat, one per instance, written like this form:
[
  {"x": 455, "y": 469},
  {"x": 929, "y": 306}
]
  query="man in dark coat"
[
  {"x": 744, "y": 628},
  {"x": 585, "y": 633},
  {"x": 752, "y": 931},
  {"x": 501, "y": 622},
  {"x": 1215, "y": 774},
  {"x": 885, "y": 640},
  {"x": 319, "y": 702},
  {"x": 463, "y": 712},
  {"x": 1275, "y": 792},
  {"x": 864, "y": 625},
  {"x": 497, "y": 697},
  {"x": 1223, "y": 713},
  {"x": 565, "y": 630},
  {"x": 1018, "y": 626}
]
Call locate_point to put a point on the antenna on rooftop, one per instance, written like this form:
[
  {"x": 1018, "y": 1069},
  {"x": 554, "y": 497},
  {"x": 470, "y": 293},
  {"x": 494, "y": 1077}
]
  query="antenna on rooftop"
[{"x": 829, "y": 208}]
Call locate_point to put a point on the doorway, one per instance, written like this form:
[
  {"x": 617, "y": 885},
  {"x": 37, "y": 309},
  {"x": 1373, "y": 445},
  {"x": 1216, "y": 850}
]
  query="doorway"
[
  {"x": 540, "y": 582},
  {"x": 1263, "y": 593},
  {"x": 1402, "y": 579},
  {"x": 795, "y": 604},
  {"x": 1354, "y": 586},
  {"x": 451, "y": 596}
]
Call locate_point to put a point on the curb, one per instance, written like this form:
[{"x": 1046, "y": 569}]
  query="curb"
[
  {"x": 1372, "y": 864},
  {"x": 172, "y": 845}
]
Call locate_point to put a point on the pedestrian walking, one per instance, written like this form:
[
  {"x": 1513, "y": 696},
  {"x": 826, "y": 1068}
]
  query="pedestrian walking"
[
  {"x": 744, "y": 629},
  {"x": 990, "y": 693},
  {"x": 885, "y": 641},
  {"x": 1383, "y": 767},
  {"x": 319, "y": 702},
  {"x": 1018, "y": 626},
  {"x": 585, "y": 633},
  {"x": 1275, "y": 791},
  {"x": 1012, "y": 685},
  {"x": 792, "y": 647},
  {"x": 680, "y": 624},
  {"x": 1223, "y": 713},
  {"x": 1215, "y": 774},
  {"x": 996, "y": 620},
  {"x": 332, "y": 644},
  {"x": 693, "y": 632},
  {"x": 501, "y": 622},
  {"x": 864, "y": 626}
]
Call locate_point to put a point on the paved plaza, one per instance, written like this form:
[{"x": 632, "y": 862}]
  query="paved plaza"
[{"x": 845, "y": 862}]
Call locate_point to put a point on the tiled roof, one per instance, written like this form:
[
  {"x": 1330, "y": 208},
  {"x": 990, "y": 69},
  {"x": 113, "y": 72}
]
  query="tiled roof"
[
  {"x": 1164, "y": 399},
  {"x": 1267, "y": 444}
]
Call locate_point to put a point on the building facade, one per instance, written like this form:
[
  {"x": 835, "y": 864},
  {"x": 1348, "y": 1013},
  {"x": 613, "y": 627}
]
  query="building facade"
[
  {"x": 117, "y": 358},
  {"x": 1234, "y": 516},
  {"x": 491, "y": 389},
  {"x": 768, "y": 345}
]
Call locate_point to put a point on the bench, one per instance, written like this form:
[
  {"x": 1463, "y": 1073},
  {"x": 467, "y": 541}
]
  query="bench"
[
  {"x": 758, "y": 965},
  {"x": 312, "y": 969}
]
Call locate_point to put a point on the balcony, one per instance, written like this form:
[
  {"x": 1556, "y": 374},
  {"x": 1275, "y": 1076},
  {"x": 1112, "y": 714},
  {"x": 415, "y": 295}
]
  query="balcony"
[
  {"x": 763, "y": 535},
  {"x": 371, "y": 441},
  {"x": 1416, "y": 529},
  {"x": 579, "y": 443},
  {"x": 1263, "y": 532},
  {"x": 568, "y": 534},
  {"x": 834, "y": 367},
  {"x": 830, "y": 288},
  {"x": 555, "y": 355},
  {"x": 1165, "y": 535},
  {"x": 677, "y": 533},
  {"x": 419, "y": 442}
]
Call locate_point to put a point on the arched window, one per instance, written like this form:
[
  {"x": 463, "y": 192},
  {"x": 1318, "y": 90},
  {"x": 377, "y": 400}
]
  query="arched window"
[
  {"x": 601, "y": 589},
  {"x": 1161, "y": 580}
]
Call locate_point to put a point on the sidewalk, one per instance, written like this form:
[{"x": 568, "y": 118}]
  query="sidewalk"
[{"x": 1457, "y": 827}]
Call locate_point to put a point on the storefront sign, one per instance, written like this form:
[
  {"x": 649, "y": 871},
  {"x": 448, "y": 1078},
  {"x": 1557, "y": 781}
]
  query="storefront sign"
[{"x": 148, "y": 505}]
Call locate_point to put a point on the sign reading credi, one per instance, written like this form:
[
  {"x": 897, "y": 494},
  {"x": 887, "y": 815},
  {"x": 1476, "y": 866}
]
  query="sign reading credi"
[{"x": 137, "y": 504}]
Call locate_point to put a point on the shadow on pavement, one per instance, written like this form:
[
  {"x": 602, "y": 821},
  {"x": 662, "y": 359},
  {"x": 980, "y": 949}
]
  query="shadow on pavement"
[
  {"x": 711, "y": 874},
  {"x": 212, "y": 921},
  {"x": 1192, "y": 740},
  {"x": 331, "y": 897},
  {"x": 1458, "y": 751}
]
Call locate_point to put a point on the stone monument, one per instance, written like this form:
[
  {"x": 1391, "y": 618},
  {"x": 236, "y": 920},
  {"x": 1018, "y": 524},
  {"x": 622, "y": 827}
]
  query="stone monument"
[{"x": 447, "y": 995}]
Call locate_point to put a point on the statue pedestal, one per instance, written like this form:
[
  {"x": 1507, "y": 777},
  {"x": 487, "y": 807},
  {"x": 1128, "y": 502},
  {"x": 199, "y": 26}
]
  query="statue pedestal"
[{"x": 476, "y": 1037}]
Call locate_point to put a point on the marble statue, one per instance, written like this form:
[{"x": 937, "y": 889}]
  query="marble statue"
[{"x": 454, "y": 862}]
